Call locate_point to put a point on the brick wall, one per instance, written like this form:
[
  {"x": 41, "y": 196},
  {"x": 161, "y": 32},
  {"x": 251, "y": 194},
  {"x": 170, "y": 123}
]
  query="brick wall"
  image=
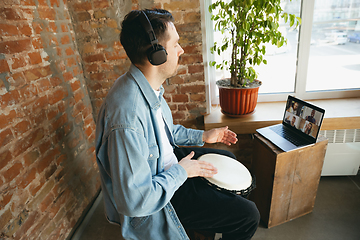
[
  {"x": 58, "y": 59},
  {"x": 48, "y": 174},
  {"x": 97, "y": 27}
]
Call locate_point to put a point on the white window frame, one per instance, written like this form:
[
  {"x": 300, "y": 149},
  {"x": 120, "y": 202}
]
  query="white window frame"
[{"x": 303, "y": 53}]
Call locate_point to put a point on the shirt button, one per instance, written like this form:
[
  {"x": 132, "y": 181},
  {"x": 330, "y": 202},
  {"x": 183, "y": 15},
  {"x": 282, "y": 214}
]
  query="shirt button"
[{"x": 151, "y": 155}]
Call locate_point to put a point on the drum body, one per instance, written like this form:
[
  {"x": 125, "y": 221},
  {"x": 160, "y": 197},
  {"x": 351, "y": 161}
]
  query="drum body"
[{"x": 232, "y": 177}]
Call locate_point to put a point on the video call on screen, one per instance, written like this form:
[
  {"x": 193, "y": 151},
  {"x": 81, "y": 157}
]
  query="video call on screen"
[{"x": 302, "y": 117}]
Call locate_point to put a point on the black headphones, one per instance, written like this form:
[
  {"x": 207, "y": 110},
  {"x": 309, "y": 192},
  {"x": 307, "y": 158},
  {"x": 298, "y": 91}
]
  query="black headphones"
[{"x": 156, "y": 54}]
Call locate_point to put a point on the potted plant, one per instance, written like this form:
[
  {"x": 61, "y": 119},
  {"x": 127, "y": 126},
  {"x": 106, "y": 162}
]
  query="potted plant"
[{"x": 251, "y": 24}]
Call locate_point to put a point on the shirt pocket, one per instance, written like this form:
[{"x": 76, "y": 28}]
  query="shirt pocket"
[{"x": 153, "y": 157}]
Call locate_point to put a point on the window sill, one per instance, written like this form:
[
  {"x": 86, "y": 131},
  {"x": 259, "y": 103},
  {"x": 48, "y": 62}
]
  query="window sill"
[{"x": 339, "y": 114}]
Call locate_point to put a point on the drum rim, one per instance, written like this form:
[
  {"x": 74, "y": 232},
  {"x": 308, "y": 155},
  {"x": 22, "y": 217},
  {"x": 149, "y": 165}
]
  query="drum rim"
[{"x": 243, "y": 192}]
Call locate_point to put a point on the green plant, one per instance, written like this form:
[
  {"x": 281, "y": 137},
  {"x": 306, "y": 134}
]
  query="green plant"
[{"x": 251, "y": 24}]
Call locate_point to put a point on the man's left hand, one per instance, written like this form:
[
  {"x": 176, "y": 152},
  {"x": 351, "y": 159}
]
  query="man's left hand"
[{"x": 223, "y": 135}]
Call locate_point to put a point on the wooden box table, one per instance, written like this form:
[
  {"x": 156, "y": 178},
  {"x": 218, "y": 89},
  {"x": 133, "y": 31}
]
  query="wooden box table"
[{"x": 286, "y": 182}]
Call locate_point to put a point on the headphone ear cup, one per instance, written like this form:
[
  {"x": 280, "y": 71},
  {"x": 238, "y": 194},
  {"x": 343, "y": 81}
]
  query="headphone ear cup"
[{"x": 157, "y": 54}]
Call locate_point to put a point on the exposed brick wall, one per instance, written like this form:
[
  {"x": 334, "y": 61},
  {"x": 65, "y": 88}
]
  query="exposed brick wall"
[
  {"x": 97, "y": 27},
  {"x": 48, "y": 174},
  {"x": 58, "y": 59}
]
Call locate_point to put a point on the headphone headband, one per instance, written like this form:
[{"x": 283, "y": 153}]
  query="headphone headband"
[{"x": 156, "y": 53}]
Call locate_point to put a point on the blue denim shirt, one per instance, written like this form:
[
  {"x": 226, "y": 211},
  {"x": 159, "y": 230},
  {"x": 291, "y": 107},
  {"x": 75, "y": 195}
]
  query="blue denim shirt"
[{"x": 136, "y": 189}]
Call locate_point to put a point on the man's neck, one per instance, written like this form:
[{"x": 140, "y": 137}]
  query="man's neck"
[{"x": 152, "y": 76}]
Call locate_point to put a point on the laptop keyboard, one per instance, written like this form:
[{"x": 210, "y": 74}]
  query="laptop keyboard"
[{"x": 288, "y": 135}]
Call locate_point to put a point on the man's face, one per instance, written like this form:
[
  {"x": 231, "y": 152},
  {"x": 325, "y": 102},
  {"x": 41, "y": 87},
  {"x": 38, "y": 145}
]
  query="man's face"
[
  {"x": 313, "y": 113},
  {"x": 173, "y": 50}
]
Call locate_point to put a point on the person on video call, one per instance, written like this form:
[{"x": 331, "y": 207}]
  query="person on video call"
[
  {"x": 151, "y": 186},
  {"x": 311, "y": 117}
]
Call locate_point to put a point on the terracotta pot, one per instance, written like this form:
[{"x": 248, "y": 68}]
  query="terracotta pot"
[{"x": 236, "y": 102}]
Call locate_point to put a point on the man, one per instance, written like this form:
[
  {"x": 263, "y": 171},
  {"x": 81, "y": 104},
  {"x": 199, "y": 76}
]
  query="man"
[
  {"x": 311, "y": 118},
  {"x": 150, "y": 185}
]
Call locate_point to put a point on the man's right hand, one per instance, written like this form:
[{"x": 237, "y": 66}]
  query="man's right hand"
[{"x": 195, "y": 168}]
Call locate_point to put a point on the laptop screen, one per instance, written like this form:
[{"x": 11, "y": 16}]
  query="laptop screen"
[{"x": 303, "y": 117}]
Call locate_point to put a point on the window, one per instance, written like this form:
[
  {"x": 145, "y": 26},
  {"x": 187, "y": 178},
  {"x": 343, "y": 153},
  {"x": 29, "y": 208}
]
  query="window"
[{"x": 321, "y": 59}]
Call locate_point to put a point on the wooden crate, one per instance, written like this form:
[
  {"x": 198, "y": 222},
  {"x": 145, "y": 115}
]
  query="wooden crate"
[{"x": 286, "y": 182}]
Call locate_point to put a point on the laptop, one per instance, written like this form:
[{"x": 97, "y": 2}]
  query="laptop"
[{"x": 300, "y": 125}]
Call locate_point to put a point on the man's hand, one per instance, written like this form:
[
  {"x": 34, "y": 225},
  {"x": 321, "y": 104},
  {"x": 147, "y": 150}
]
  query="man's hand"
[
  {"x": 195, "y": 168},
  {"x": 223, "y": 135}
]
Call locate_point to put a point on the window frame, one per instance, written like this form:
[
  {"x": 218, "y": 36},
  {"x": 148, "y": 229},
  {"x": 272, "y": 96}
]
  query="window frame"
[{"x": 303, "y": 54}]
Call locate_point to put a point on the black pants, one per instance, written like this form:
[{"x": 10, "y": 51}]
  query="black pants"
[{"x": 201, "y": 207}]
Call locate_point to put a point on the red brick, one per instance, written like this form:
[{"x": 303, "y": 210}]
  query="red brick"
[
  {"x": 45, "y": 161},
  {"x": 26, "y": 178},
  {"x": 31, "y": 157},
  {"x": 79, "y": 95},
  {"x": 75, "y": 85},
  {"x": 12, "y": 13},
  {"x": 28, "y": 3},
  {"x": 94, "y": 58},
  {"x": 198, "y": 97},
  {"x": 71, "y": 62},
  {"x": 68, "y": 76},
  {"x": 28, "y": 91},
  {"x": 18, "y": 62},
  {"x": 46, "y": 13},
  {"x": 196, "y": 68},
  {"x": 18, "y": 80},
  {"x": 65, "y": 39},
  {"x": 69, "y": 51},
  {"x": 83, "y": 6},
  {"x": 57, "y": 96},
  {"x": 59, "y": 122},
  {"x": 43, "y": 85},
  {"x": 115, "y": 55},
  {"x": 5, "y": 199},
  {"x": 35, "y": 58},
  {"x": 8, "y": 30},
  {"x": 97, "y": 76},
  {"x": 25, "y": 29},
  {"x": 8, "y": 99},
  {"x": 43, "y": 3},
  {"x": 37, "y": 43},
  {"x": 92, "y": 68},
  {"x": 64, "y": 27},
  {"x": 180, "y": 98},
  {"x": 191, "y": 59},
  {"x": 6, "y": 136},
  {"x": 46, "y": 202},
  {"x": 11, "y": 47},
  {"x": 12, "y": 172},
  {"x": 5, "y": 158},
  {"x": 176, "y": 80},
  {"x": 22, "y": 127},
  {"x": 54, "y": 3},
  {"x": 26, "y": 142},
  {"x": 192, "y": 89},
  {"x": 4, "y": 67},
  {"x": 37, "y": 73},
  {"x": 6, "y": 119},
  {"x": 37, "y": 27},
  {"x": 101, "y": 4}
]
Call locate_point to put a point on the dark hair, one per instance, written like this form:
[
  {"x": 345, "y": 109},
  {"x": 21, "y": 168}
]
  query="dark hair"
[{"x": 133, "y": 36}]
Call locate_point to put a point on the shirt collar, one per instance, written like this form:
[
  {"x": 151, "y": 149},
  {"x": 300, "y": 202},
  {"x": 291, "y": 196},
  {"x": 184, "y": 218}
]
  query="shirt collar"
[{"x": 146, "y": 89}]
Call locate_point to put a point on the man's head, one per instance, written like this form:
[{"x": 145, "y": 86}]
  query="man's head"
[{"x": 136, "y": 40}]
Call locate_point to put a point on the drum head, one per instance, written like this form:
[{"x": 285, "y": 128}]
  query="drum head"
[{"x": 232, "y": 175}]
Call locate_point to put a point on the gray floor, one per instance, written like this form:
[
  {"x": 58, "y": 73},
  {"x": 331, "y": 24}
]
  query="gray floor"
[{"x": 336, "y": 216}]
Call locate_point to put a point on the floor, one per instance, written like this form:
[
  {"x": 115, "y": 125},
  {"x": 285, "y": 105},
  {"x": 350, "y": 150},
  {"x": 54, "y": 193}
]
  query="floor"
[{"x": 336, "y": 216}]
